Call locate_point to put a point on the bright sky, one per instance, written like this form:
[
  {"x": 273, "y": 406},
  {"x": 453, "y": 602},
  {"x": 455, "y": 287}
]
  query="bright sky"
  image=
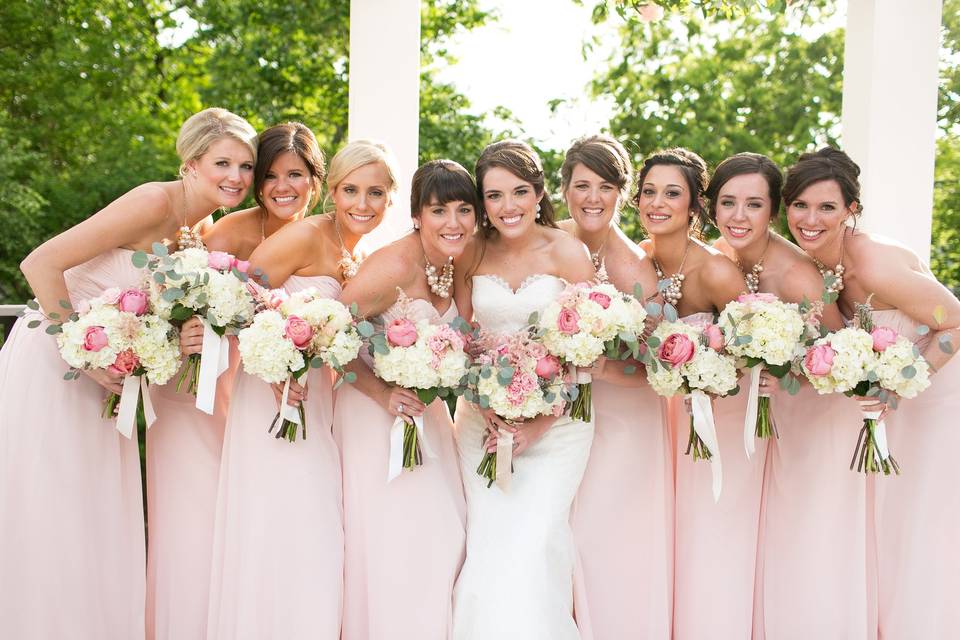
[{"x": 531, "y": 55}]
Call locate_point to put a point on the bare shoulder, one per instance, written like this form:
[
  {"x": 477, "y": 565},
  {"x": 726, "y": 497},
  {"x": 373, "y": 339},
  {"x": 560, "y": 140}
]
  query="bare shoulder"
[
  {"x": 567, "y": 225},
  {"x": 718, "y": 267},
  {"x": 563, "y": 244},
  {"x": 872, "y": 252},
  {"x": 395, "y": 261},
  {"x": 151, "y": 201},
  {"x": 800, "y": 280},
  {"x": 721, "y": 245}
]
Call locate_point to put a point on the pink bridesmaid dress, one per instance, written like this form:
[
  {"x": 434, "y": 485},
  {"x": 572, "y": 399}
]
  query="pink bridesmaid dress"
[
  {"x": 716, "y": 542},
  {"x": 404, "y": 539},
  {"x": 71, "y": 509},
  {"x": 917, "y": 514},
  {"x": 812, "y": 578},
  {"x": 622, "y": 519},
  {"x": 183, "y": 469},
  {"x": 277, "y": 566}
]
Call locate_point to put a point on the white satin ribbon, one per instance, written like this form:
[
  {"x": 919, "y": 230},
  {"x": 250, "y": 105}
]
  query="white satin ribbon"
[
  {"x": 504, "y": 459},
  {"x": 750, "y": 418},
  {"x": 703, "y": 425},
  {"x": 882, "y": 451},
  {"x": 584, "y": 377},
  {"x": 214, "y": 360},
  {"x": 134, "y": 387},
  {"x": 395, "y": 466},
  {"x": 288, "y": 411}
]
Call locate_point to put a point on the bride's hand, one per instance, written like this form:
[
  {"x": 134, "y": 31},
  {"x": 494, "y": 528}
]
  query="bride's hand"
[
  {"x": 493, "y": 423},
  {"x": 528, "y": 432}
]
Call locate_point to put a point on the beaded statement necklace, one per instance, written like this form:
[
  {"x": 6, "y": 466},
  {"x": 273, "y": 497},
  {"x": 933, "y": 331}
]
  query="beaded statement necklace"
[
  {"x": 753, "y": 278},
  {"x": 672, "y": 292},
  {"x": 440, "y": 284},
  {"x": 347, "y": 263},
  {"x": 187, "y": 238},
  {"x": 836, "y": 284}
]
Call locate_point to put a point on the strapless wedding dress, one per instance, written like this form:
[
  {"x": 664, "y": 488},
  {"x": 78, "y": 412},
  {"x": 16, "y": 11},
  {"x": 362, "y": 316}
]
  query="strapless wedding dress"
[{"x": 517, "y": 581}]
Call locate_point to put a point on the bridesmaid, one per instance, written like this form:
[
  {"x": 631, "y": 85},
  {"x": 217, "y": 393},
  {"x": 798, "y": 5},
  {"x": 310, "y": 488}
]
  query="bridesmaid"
[
  {"x": 716, "y": 543},
  {"x": 184, "y": 446},
  {"x": 913, "y": 519},
  {"x": 811, "y": 576},
  {"x": 623, "y": 514},
  {"x": 404, "y": 538},
  {"x": 71, "y": 512},
  {"x": 278, "y": 538}
]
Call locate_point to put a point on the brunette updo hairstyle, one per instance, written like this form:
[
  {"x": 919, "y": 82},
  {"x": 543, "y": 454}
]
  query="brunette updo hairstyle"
[
  {"x": 441, "y": 181},
  {"x": 521, "y": 160},
  {"x": 694, "y": 171},
  {"x": 745, "y": 164},
  {"x": 290, "y": 137},
  {"x": 826, "y": 164},
  {"x": 602, "y": 154}
]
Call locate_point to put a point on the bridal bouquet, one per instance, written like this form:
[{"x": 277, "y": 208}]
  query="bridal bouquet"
[
  {"x": 211, "y": 285},
  {"x": 517, "y": 378},
  {"x": 868, "y": 361},
  {"x": 288, "y": 336},
  {"x": 765, "y": 333},
  {"x": 429, "y": 359},
  {"x": 586, "y": 322},
  {"x": 690, "y": 359},
  {"x": 116, "y": 331}
]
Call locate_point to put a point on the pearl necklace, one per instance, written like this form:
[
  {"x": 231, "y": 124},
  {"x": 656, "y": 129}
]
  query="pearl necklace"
[
  {"x": 187, "y": 238},
  {"x": 836, "y": 284},
  {"x": 753, "y": 278},
  {"x": 672, "y": 292},
  {"x": 347, "y": 263},
  {"x": 441, "y": 284}
]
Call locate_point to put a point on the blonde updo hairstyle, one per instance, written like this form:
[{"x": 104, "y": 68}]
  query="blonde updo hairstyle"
[
  {"x": 360, "y": 153},
  {"x": 204, "y": 128}
]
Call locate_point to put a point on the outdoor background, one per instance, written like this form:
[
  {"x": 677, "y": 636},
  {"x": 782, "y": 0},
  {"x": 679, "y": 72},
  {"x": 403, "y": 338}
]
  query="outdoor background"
[{"x": 92, "y": 92}]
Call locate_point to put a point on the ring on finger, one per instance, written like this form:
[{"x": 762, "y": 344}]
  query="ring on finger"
[{"x": 400, "y": 409}]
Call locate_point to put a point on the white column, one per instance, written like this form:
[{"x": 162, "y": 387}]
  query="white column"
[
  {"x": 385, "y": 94},
  {"x": 890, "y": 113}
]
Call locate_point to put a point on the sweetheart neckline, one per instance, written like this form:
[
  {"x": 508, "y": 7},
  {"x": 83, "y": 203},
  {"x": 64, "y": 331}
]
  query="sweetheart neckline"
[{"x": 534, "y": 277}]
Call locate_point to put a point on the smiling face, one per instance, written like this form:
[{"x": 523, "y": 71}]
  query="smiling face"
[
  {"x": 224, "y": 173},
  {"x": 818, "y": 215},
  {"x": 664, "y": 200},
  {"x": 445, "y": 228},
  {"x": 593, "y": 201},
  {"x": 361, "y": 199},
  {"x": 743, "y": 210},
  {"x": 287, "y": 187},
  {"x": 510, "y": 202}
]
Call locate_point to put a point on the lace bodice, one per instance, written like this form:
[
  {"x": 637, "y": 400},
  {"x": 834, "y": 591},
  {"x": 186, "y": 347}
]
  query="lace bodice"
[{"x": 500, "y": 309}]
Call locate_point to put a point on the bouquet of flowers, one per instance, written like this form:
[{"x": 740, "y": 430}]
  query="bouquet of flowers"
[
  {"x": 211, "y": 285},
  {"x": 288, "y": 336},
  {"x": 116, "y": 331},
  {"x": 427, "y": 358},
  {"x": 764, "y": 332},
  {"x": 518, "y": 378},
  {"x": 690, "y": 359},
  {"x": 868, "y": 361},
  {"x": 586, "y": 322}
]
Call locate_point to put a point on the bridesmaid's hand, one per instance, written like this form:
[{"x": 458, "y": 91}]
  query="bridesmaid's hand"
[
  {"x": 296, "y": 394},
  {"x": 112, "y": 382},
  {"x": 876, "y": 405},
  {"x": 768, "y": 383},
  {"x": 596, "y": 370},
  {"x": 401, "y": 402},
  {"x": 191, "y": 337}
]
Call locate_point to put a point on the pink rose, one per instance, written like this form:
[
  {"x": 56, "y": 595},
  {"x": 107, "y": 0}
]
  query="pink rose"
[
  {"x": 568, "y": 321},
  {"x": 401, "y": 333},
  {"x": 548, "y": 367},
  {"x": 133, "y": 301},
  {"x": 299, "y": 331},
  {"x": 757, "y": 297},
  {"x": 819, "y": 360},
  {"x": 241, "y": 265},
  {"x": 714, "y": 336},
  {"x": 677, "y": 349},
  {"x": 95, "y": 339},
  {"x": 219, "y": 260},
  {"x": 125, "y": 363},
  {"x": 601, "y": 299},
  {"x": 883, "y": 337}
]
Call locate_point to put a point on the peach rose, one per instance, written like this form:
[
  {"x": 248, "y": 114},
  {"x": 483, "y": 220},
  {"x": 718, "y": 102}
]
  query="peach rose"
[
  {"x": 677, "y": 349},
  {"x": 125, "y": 363}
]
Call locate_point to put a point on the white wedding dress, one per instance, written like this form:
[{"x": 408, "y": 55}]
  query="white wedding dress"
[{"x": 517, "y": 581}]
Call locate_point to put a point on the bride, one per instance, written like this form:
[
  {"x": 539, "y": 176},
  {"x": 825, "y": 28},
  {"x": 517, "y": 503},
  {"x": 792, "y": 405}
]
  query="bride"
[{"x": 517, "y": 578}]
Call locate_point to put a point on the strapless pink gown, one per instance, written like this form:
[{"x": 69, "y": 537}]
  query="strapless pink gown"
[
  {"x": 183, "y": 469},
  {"x": 623, "y": 519},
  {"x": 812, "y": 578},
  {"x": 917, "y": 514},
  {"x": 71, "y": 508},
  {"x": 277, "y": 566},
  {"x": 404, "y": 540},
  {"x": 716, "y": 542}
]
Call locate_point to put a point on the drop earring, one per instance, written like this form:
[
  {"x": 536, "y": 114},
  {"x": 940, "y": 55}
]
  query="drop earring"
[{"x": 538, "y": 211}]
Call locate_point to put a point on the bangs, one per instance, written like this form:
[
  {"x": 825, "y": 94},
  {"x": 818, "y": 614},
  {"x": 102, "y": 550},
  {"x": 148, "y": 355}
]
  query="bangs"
[{"x": 441, "y": 187}]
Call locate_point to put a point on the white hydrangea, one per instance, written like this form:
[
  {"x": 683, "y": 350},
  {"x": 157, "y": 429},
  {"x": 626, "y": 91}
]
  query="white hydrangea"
[
  {"x": 71, "y": 338},
  {"x": 417, "y": 367},
  {"x": 853, "y": 358},
  {"x": 228, "y": 300},
  {"x": 158, "y": 348},
  {"x": 891, "y": 363},
  {"x": 265, "y": 351},
  {"x": 775, "y": 328}
]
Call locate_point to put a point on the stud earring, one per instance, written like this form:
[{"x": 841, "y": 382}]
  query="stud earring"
[{"x": 416, "y": 227}]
